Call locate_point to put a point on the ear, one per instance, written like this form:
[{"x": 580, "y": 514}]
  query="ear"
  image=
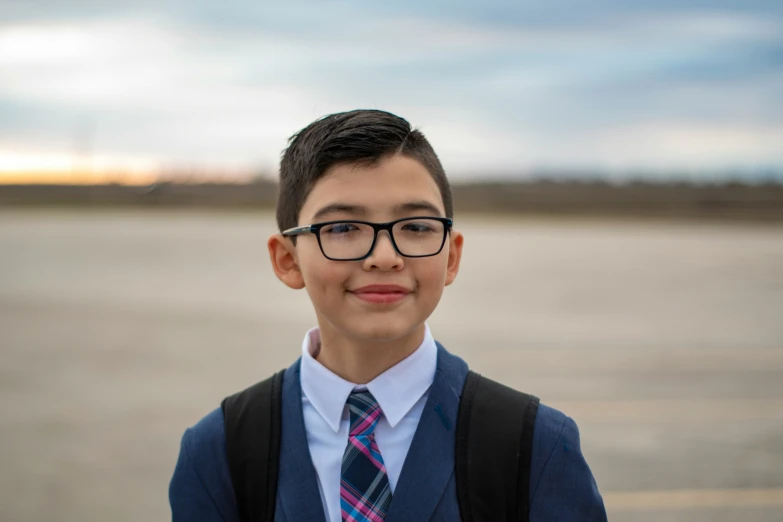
[
  {"x": 456, "y": 240},
  {"x": 282, "y": 253}
]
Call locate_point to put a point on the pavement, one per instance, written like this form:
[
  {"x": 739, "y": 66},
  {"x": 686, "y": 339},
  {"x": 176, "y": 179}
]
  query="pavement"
[{"x": 663, "y": 340}]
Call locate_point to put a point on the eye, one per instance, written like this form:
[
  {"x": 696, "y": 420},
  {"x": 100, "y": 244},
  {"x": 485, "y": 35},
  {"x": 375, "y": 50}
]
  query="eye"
[
  {"x": 420, "y": 227},
  {"x": 338, "y": 229}
]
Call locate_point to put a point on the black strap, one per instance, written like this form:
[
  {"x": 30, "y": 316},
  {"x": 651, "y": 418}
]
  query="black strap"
[
  {"x": 253, "y": 420},
  {"x": 494, "y": 444}
]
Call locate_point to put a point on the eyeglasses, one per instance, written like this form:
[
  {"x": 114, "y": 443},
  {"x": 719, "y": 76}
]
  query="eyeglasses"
[{"x": 355, "y": 240}]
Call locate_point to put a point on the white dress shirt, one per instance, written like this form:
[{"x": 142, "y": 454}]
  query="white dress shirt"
[{"x": 401, "y": 392}]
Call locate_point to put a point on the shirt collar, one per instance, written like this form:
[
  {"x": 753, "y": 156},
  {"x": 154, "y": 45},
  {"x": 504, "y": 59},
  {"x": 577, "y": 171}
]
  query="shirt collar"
[{"x": 396, "y": 390}]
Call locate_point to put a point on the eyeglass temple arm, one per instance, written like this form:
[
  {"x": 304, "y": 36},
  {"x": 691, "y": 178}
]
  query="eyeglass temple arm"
[{"x": 298, "y": 230}]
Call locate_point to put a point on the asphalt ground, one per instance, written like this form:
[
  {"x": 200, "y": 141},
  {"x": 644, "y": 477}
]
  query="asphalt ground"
[{"x": 664, "y": 341}]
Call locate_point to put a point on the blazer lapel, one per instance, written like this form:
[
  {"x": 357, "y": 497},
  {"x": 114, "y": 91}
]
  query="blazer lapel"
[
  {"x": 297, "y": 485},
  {"x": 430, "y": 460}
]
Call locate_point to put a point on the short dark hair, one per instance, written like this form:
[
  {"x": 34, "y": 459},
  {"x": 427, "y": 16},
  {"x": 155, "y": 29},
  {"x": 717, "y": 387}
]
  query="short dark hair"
[{"x": 359, "y": 136}]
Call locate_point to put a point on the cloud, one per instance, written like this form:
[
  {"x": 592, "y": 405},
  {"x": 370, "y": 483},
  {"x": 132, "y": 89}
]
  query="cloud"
[{"x": 503, "y": 88}]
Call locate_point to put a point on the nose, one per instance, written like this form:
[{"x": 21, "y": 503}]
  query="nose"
[{"x": 383, "y": 256}]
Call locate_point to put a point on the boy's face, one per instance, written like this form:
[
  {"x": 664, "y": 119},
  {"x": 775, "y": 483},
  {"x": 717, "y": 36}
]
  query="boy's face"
[{"x": 395, "y": 188}]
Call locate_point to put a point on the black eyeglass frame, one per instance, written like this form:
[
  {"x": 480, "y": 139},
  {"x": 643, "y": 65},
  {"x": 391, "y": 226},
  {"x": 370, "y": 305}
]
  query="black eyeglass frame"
[{"x": 315, "y": 228}]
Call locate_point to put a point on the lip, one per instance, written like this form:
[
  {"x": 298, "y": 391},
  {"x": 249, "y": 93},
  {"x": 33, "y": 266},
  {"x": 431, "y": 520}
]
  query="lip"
[{"x": 383, "y": 294}]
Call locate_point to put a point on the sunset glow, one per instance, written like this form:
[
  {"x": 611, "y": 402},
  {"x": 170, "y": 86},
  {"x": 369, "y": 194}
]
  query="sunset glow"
[{"x": 34, "y": 168}]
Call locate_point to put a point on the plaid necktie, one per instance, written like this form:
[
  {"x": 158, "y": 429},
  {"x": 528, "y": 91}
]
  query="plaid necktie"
[{"x": 364, "y": 487}]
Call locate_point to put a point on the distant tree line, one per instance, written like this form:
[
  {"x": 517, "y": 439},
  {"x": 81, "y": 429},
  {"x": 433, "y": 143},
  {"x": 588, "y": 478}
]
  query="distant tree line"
[{"x": 681, "y": 200}]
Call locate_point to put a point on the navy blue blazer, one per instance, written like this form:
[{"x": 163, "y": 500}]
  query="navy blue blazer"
[{"x": 562, "y": 487}]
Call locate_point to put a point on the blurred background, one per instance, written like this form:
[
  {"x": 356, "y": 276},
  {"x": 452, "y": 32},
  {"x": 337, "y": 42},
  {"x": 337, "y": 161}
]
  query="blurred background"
[{"x": 618, "y": 174}]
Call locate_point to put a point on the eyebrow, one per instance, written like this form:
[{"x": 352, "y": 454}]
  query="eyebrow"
[
  {"x": 358, "y": 210},
  {"x": 339, "y": 207},
  {"x": 415, "y": 206}
]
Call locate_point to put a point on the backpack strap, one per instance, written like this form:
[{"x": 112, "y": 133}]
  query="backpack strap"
[
  {"x": 253, "y": 420},
  {"x": 494, "y": 444}
]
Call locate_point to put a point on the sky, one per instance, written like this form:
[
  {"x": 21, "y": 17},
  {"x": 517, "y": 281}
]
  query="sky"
[{"x": 624, "y": 88}]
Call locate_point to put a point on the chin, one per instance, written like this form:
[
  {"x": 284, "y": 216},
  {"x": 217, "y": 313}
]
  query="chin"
[{"x": 379, "y": 329}]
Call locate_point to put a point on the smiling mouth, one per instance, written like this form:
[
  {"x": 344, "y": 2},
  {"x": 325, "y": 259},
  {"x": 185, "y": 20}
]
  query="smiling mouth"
[
  {"x": 380, "y": 298},
  {"x": 381, "y": 294}
]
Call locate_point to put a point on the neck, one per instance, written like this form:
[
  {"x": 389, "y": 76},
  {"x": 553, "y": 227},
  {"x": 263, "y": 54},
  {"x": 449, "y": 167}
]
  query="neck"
[{"x": 359, "y": 360}]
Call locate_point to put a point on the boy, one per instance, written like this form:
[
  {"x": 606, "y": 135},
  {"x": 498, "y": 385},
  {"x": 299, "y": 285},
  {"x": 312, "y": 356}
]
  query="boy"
[{"x": 365, "y": 212}]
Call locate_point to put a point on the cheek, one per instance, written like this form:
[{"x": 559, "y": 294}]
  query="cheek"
[
  {"x": 324, "y": 279},
  {"x": 431, "y": 272}
]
